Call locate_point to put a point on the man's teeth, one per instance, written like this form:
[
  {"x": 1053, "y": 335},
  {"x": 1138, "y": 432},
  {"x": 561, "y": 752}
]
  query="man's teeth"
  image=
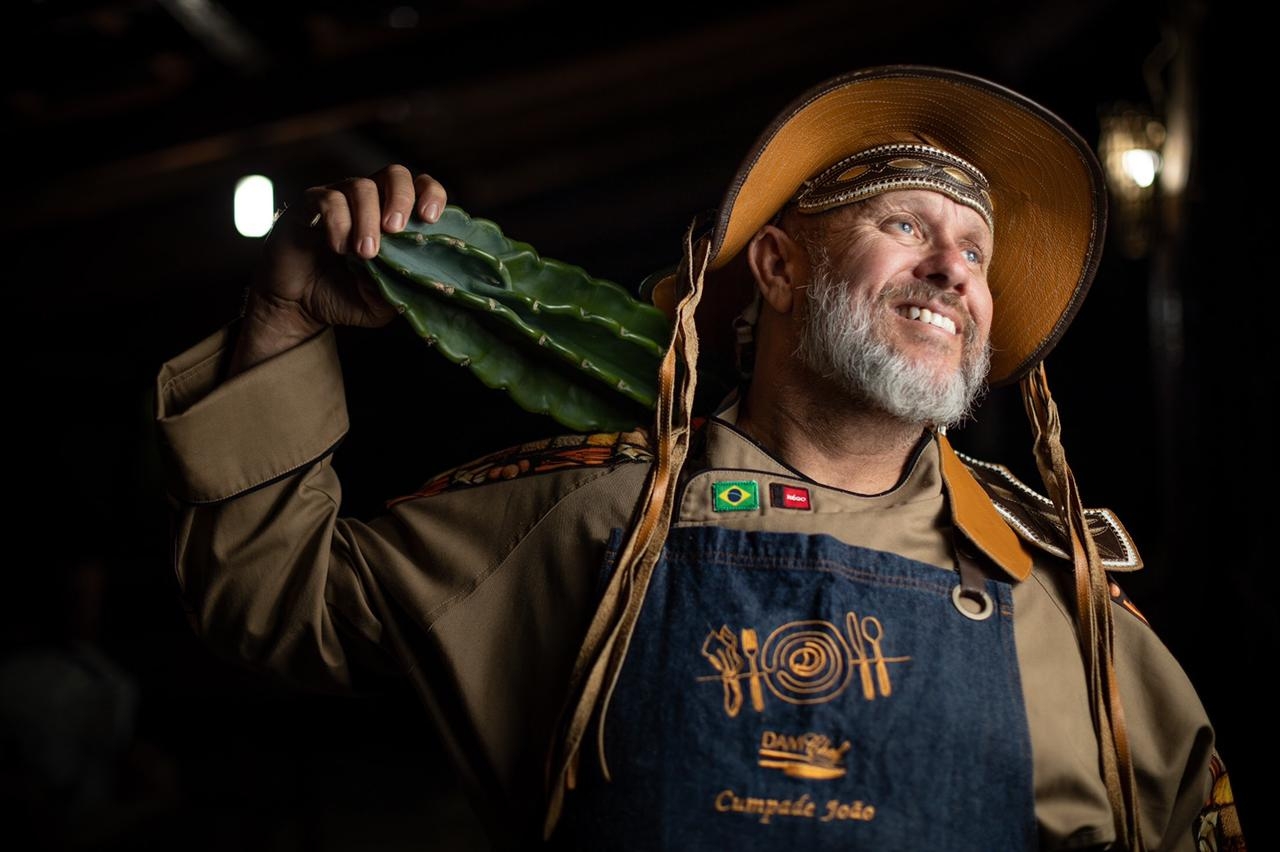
[{"x": 926, "y": 315}]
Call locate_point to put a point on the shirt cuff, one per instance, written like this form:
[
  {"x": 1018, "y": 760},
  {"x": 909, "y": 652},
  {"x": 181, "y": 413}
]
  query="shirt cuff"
[{"x": 220, "y": 438}]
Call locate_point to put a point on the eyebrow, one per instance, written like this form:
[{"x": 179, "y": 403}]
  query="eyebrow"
[
  {"x": 977, "y": 233},
  {"x": 982, "y": 236}
]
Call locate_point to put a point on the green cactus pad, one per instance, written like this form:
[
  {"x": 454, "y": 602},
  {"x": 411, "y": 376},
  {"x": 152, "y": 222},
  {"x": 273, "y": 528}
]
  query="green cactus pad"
[{"x": 560, "y": 342}]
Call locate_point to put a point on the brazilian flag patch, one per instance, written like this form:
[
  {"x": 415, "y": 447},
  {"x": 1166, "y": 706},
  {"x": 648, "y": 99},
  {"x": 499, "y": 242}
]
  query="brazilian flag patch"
[{"x": 741, "y": 496}]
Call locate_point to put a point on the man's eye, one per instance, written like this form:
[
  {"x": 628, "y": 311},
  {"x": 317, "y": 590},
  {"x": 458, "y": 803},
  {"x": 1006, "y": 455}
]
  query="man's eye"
[
  {"x": 905, "y": 227},
  {"x": 973, "y": 256}
]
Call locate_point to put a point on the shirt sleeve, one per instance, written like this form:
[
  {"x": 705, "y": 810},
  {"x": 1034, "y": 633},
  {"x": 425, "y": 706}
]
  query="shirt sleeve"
[
  {"x": 1170, "y": 736},
  {"x": 477, "y": 589},
  {"x": 269, "y": 573},
  {"x": 275, "y": 578}
]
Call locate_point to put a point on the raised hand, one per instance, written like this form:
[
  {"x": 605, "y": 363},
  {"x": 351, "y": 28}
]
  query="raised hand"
[{"x": 304, "y": 282}]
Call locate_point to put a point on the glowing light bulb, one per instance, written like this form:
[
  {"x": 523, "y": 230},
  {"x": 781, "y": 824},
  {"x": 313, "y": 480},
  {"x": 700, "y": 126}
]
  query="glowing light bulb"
[
  {"x": 1140, "y": 164},
  {"x": 255, "y": 205}
]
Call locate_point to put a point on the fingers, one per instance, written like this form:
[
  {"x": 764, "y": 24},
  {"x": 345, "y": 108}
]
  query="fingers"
[
  {"x": 397, "y": 197},
  {"x": 354, "y": 212},
  {"x": 366, "y": 216},
  {"x": 431, "y": 197},
  {"x": 331, "y": 206}
]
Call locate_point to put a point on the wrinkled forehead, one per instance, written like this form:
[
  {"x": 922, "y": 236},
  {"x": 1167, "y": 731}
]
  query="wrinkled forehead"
[
  {"x": 929, "y": 205},
  {"x": 934, "y": 210}
]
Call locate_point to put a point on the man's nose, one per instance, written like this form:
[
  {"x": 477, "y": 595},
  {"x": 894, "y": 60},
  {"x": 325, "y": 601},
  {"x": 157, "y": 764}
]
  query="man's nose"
[{"x": 946, "y": 266}]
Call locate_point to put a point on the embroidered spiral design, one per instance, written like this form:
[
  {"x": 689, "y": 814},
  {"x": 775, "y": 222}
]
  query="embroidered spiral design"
[{"x": 806, "y": 662}]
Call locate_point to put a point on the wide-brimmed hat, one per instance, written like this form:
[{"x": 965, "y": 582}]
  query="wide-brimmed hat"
[{"x": 1047, "y": 192}]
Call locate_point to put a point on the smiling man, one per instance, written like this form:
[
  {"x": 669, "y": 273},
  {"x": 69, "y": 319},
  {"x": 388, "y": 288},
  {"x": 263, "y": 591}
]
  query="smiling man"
[
  {"x": 940, "y": 268},
  {"x": 801, "y": 621},
  {"x": 885, "y": 304}
]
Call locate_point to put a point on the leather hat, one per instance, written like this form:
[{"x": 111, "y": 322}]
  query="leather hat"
[{"x": 1048, "y": 197}]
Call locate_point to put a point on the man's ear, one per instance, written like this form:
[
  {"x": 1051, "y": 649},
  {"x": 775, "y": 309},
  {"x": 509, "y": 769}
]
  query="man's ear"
[{"x": 780, "y": 266}]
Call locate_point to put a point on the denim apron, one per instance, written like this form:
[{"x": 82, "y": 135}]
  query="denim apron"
[{"x": 791, "y": 692}]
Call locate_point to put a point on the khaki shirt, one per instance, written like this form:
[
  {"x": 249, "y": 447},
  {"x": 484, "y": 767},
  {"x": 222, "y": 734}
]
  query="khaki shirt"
[{"x": 479, "y": 588}]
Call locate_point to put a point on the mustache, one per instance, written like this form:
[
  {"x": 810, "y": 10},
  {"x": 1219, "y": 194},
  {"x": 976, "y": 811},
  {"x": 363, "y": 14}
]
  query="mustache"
[{"x": 916, "y": 290}]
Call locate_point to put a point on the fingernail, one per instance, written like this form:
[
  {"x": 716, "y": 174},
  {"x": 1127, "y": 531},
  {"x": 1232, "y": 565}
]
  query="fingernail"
[
  {"x": 395, "y": 222},
  {"x": 433, "y": 212},
  {"x": 366, "y": 247}
]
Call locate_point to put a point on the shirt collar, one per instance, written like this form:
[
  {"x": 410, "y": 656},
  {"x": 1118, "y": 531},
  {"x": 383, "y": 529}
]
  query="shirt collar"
[{"x": 935, "y": 469}]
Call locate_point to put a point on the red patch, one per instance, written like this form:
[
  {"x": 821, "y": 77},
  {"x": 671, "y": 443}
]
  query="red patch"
[{"x": 788, "y": 497}]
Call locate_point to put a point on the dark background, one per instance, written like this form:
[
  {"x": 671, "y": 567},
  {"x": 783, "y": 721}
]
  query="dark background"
[{"x": 594, "y": 132}]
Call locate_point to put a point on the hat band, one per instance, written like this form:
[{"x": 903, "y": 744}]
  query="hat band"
[{"x": 885, "y": 168}]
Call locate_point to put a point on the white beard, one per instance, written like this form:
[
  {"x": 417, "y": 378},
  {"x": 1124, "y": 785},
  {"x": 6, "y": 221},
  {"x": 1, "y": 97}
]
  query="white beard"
[{"x": 845, "y": 340}]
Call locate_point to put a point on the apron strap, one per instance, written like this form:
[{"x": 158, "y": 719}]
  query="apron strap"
[{"x": 970, "y": 595}]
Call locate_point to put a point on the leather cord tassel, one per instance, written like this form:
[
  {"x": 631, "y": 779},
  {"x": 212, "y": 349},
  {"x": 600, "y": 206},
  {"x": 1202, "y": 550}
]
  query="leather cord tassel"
[
  {"x": 1093, "y": 610},
  {"x": 604, "y": 650}
]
